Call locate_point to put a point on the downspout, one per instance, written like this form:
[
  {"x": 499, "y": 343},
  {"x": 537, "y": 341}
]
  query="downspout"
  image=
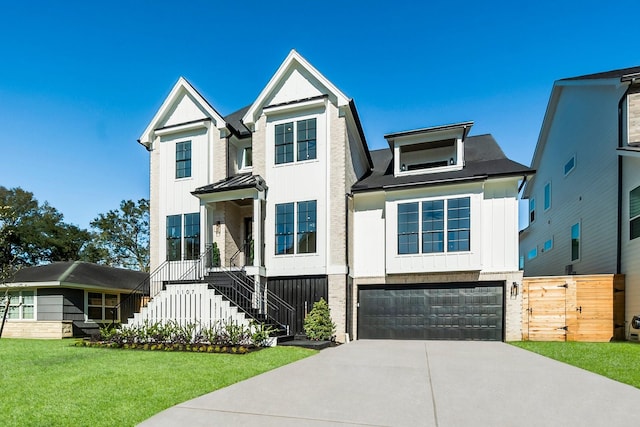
[
  {"x": 349, "y": 287},
  {"x": 620, "y": 195}
]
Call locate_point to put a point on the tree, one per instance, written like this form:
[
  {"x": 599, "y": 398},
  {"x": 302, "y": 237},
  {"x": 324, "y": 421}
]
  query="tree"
[
  {"x": 121, "y": 236},
  {"x": 32, "y": 233},
  {"x": 317, "y": 324}
]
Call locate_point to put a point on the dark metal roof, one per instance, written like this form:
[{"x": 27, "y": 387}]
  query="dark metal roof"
[
  {"x": 236, "y": 182},
  {"x": 82, "y": 273},
  {"x": 464, "y": 125},
  {"x": 235, "y": 125},
  {"x": 613, "y": 74},
  {"x": 483, "y": 159}
]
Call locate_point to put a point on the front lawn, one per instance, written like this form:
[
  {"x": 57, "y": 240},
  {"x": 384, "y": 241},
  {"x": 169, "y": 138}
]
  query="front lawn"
[
  {"x": 616, "y": 360},
  {"x": 52, "y": 383}
]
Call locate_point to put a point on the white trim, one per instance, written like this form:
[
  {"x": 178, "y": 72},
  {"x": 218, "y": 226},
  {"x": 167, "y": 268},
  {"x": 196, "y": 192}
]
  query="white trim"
[
  {"x": 293, "y": 59},
  {"x": 201, "y": 124}
]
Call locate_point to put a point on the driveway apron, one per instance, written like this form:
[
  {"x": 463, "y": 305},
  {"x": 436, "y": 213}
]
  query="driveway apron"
[{"x": 415, "y": 383}]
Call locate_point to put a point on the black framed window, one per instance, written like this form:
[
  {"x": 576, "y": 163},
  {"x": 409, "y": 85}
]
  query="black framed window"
[
  {"x": 408, "y": 228},
  {"x": 306, "y": 139},
  {"x": 284, "y": 228},
  {"x": 174, "y": 237},
  {"x": 634, "y": 213},
  {"x": 192, "y": 236},
  {"x": 307, "y": 227},
  {"x": 458, "y": 225},
  {"x": 433, "y": 226},
  {"x": 183, "y": 159},
  {"x": 284, "y": 143}
]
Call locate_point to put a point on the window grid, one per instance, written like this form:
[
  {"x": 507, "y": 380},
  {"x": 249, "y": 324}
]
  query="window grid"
[
  {"x": 174, "y": 247},
  {"x": 284, "y": 143},
  {"x": 101, "y": 306},
  {"x": 307, "y": 227},
  {"x": 183, "y": 159},
  {"x": 408, "y": 228},
  {"x": 458, "y": 225},
  {"x": 192, "y": 236},
  {"x": 433, "y": 226},
  {"x": 21, "y": 307},
  {"x": 455, "y": 213},
  {"x": 284, "y": 228},
  {"x": 306, "y": 139}
]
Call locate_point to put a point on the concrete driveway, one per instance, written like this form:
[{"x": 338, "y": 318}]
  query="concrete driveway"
[{"x": 416, "y": 383}]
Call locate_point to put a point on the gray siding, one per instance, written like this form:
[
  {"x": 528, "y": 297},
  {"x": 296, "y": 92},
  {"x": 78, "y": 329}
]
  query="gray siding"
[
  {"x": 585, "y": 125},
  {"x": 49, "y": 304}
]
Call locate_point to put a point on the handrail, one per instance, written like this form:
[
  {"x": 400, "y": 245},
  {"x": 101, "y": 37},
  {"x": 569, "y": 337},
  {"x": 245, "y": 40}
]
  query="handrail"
[
  {"x": 139, "y": 292},
  {"x": 233, "y": 258}
]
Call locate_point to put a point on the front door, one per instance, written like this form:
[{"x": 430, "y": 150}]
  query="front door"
[{"x": 248, "y": 241}]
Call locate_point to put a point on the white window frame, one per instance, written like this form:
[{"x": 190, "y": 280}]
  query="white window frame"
[
  {"x": 573, "y": 167},
  {"x": 546, "y": 202},
  {"x": 532, "y": 210},
  {"x": 579, "y": 224},
  {"x": 294, "y": 120},
  {"x": 20, "y": 305},
  {"x": 103, "y": 293}
]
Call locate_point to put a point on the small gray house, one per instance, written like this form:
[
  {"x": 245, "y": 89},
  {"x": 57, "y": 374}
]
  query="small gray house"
[{"x": 66, "y": 299}]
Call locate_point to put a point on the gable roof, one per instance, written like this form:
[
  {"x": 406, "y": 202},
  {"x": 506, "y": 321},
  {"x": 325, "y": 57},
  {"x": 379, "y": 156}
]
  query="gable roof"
[
  {"x": 613, "y": 74},
  {"x": 82, "y": 274},
  {"x": 483, "y": 159},
  {"x": 181, "y": 86},
  {"x": 291, "y": 62},
  {"x": 623, "y": 76}
]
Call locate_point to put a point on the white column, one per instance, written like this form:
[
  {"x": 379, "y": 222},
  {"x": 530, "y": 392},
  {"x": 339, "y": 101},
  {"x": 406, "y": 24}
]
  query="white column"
[{"x": 257, "y": 230}]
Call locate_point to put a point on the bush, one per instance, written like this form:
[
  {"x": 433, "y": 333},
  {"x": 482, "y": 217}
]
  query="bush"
[{"x": 317, "y": 324}]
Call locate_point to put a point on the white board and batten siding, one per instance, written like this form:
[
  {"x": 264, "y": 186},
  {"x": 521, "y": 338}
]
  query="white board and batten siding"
[
  {"x": 188, "y": 304},
  {"x": 587, "y": 195},
  {"x": 494, "y": 238}
]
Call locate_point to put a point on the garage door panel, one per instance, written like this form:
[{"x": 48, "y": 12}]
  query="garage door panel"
[{"x": 440, "y": 312}]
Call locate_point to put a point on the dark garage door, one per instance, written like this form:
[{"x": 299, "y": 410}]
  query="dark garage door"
[{"x": 432, "y": 312}]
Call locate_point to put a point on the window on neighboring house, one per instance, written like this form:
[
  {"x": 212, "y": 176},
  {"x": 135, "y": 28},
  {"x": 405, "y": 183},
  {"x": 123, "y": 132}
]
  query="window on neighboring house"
[
  {"x": 455, "y": 213},
  {"x": 192, "y": 236},
  {"x": 521, "y": 262},
  {"x": 306, "y": 139},
  {"x": 174, "y": 237},
  {"x": 634, "y": 213},
  {"x": 284, "y": 143},
  {"x": 101, "y": 306},
  {"x": 458, "y": 225},
  {"x": 284, "y": 228},
  {"x": 570, "y": 165},
  {"x": 547, "y": 196},
  {"x": 575, "y": 242},
  {"x": 247, "y": 157},
  {"x": 307, "y": 227},
  {"x": 433, "y": 226},
  {"x": 183, "y": 159},
  {"x": 408, "y": 228},
  {"x": 532, "y": 253},
  {"x": 532, "y": 210},
  {"x": 548, "y": 245},
  {"x": 21, "y": 306}
]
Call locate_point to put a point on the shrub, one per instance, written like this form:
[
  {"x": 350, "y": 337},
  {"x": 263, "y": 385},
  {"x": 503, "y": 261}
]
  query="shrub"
[{"x": 317, "y": 324}]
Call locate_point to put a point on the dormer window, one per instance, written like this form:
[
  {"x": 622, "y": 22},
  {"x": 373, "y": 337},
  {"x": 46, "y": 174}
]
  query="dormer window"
[{"x": 430, "y": 150}]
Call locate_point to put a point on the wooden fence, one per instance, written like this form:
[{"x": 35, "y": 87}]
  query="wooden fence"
[{"x": 573, "y": 308}]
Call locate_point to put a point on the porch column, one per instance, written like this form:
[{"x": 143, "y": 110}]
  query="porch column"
[{"x": 257, "y": 229}]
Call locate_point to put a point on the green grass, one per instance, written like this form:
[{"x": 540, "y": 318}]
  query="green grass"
[
  {"x": 51, "y": 383},
  {"x": 616, "y": 360}
]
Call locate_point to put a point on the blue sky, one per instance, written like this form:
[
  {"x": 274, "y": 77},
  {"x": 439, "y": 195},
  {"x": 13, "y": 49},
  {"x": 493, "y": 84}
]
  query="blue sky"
[{"x": 80, "y": 80}]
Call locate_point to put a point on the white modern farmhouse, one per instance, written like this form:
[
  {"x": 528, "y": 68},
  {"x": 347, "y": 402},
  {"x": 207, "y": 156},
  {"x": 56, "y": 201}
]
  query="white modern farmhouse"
[
  {"x": 261, "y": 213},
  {"x": 584, "y": 202}
]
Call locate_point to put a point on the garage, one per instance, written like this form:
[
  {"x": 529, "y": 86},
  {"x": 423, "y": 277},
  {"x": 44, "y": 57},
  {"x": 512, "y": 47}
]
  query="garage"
[{"x": 460, "y": 311}]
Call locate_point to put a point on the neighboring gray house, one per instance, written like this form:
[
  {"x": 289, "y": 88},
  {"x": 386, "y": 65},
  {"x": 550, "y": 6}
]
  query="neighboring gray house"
[
  {"x": 65, "y": 299},
  {"x": 584, "y": 201}
]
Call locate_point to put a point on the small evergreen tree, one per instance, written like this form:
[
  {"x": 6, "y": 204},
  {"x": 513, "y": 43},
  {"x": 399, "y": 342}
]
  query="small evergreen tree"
[{"x": 317, "y": 324}]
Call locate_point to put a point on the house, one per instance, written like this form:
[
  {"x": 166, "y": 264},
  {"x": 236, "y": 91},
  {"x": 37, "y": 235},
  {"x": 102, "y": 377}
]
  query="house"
[
  {"x": 66, "y": 299},
  {"x": 281, "y": 203},
  {"x": 584, "y": 202}
]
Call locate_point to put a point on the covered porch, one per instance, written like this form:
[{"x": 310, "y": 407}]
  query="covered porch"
[{"x": 234, "y": 212}]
